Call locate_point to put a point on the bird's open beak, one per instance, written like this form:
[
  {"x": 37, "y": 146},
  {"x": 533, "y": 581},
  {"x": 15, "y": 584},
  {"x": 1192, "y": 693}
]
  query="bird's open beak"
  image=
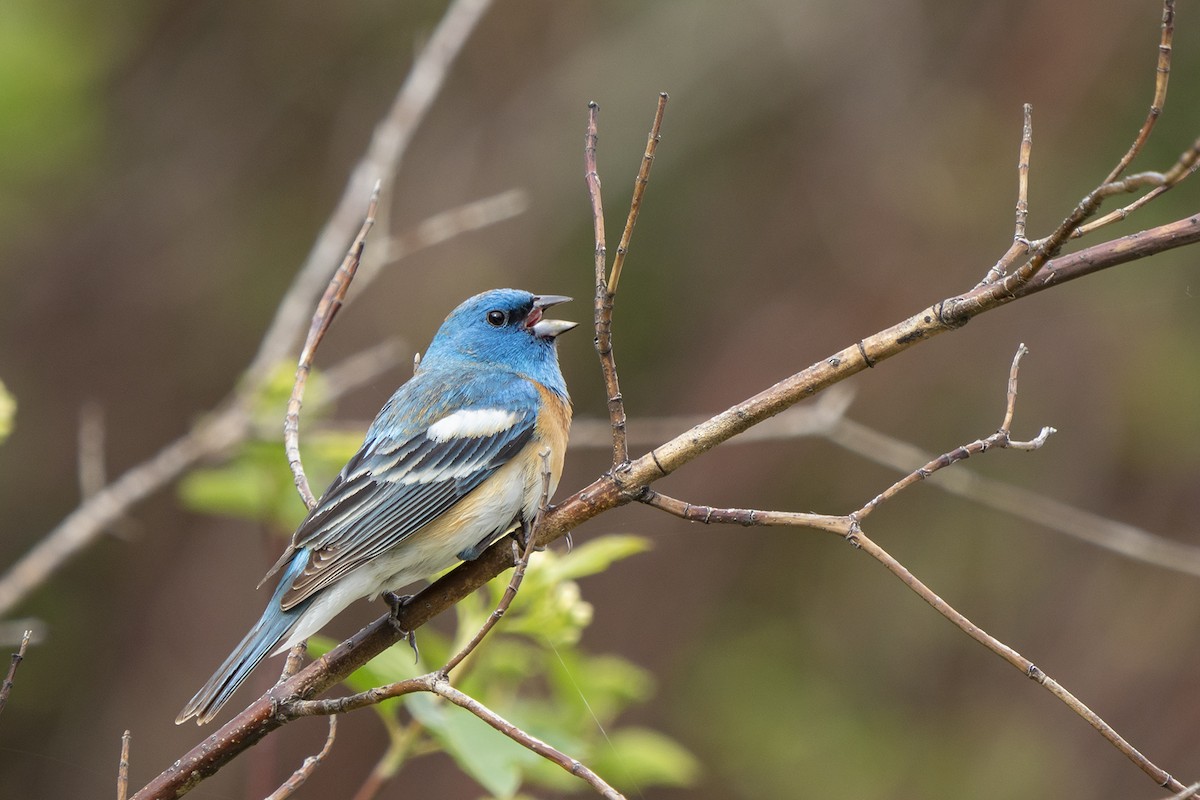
[{"x": 547, "y": 328}]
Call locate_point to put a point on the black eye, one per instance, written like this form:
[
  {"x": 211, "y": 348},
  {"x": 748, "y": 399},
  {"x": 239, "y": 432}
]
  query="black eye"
[{"x": 497, "y": 318}]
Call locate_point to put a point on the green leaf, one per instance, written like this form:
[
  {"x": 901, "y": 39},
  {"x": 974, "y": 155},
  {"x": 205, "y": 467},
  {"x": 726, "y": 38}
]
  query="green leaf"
[
  {"x": 598, "y": 687},
  {"x": 639, "y": 757},
  {"x": 598, "y": 555},
  {"x": 256, "y": 484},
  {"x": 491, "y": 758}
]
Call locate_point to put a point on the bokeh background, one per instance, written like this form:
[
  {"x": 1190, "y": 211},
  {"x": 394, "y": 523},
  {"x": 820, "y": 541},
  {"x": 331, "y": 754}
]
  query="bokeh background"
[{"x": 826, "y": 169}]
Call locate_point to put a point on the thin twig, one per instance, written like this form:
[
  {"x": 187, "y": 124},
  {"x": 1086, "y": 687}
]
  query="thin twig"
[
  {"x": 1049, "y": 247},
  {"x": 327, "y": 309},
  {"x": 442, "y": 688},
  {"x": 606, "y": 285},
  {"x": 639, "y": 189},
  {"x": 306, "y": 769},
  {"x": 521, "y": 558},
  {"x": 1019, "y": 248},
  {"x": 1023, "y": 173},
  {"x": 1117, "y": 537},
  {"x": 294, "y": 660},
  {"x": 1184, "y": 167},
  {"x": 744, "y": 516},
  {"x": 17, "y": 658},
  {"x": 1027, "y": 667},
  {"x": 854, "y": 534},
  {"x": 1001, "y": 438},
  {"x": 1162, "y": 73},
  {"x": 123, "y": 768},
  {"x": 602, "y": 306}
]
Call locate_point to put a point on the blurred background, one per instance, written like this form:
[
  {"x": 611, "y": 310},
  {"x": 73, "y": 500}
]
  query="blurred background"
[{"x": 826, "y": 169}]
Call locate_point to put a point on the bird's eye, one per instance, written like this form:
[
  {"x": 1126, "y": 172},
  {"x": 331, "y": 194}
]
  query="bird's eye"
[{"x": 496, "y": 318}]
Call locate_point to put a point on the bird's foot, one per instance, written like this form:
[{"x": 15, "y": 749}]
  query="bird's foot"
[{"x": 396, "y": 602}]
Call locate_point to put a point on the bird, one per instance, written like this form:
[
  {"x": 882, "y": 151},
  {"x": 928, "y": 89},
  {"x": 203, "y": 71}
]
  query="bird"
[{"x": 452, "y": 462}]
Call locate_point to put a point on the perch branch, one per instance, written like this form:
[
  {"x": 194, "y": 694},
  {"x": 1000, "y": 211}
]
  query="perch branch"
[
  {"x": 605, "y": 493},
  {"x": 259, "y": 719}
]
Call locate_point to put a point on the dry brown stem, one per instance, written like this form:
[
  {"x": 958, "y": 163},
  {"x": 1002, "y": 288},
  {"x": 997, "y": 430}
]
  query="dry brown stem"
[
  {"x": 606, "y": 284},
  {"x": 850, "y": 528},
  {"x": 123, "y": 768},
  {"x": 327, "y": 308},
  {"x": 9, "y": 679}
]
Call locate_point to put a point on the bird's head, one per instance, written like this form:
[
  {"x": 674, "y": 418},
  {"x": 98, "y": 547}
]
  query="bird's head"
[{"x": 505, "y": 328}]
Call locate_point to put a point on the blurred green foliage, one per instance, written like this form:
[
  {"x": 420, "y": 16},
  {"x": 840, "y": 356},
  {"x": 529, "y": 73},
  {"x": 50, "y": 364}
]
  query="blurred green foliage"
[
  {"x": 8, "y": 411},
  {"x": 530, "y": 669},
  {"x": 50, "y": 113}
]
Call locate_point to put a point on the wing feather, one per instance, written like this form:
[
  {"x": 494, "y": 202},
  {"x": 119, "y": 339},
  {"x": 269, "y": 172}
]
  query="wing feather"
[{"x": 393, "y": 487}]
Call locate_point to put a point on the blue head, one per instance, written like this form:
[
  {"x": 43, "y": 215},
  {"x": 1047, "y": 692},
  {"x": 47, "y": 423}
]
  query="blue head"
[{"x": 502, "y": 328}]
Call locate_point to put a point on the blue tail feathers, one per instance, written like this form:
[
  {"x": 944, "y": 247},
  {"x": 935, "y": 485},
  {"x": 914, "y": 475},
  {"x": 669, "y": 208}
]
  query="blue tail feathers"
[{"x": 265, "y": 636}]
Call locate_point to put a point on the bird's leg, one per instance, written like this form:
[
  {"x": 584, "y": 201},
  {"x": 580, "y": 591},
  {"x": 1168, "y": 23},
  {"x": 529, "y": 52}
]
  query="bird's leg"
[
  {"x": 519, "y": 533},
  {"x": 396, "y": 602}
]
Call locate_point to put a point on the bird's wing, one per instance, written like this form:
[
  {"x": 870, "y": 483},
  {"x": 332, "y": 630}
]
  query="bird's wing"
[{"x": 395, "y": 485}]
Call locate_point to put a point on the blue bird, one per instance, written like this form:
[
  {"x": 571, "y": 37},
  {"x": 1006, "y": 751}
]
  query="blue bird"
[{"x": 451, "y": 463}]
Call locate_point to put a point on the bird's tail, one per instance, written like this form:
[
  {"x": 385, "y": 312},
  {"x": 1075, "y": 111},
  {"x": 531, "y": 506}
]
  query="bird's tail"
[{"x": 268, "y": 632}]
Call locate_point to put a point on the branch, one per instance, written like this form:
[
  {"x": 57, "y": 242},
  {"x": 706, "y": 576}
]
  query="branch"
[
  {"x": 855, "y": 535},
  {"x": 1002, "y": 438},
  {"x": 1118, "y": 537},
  {"x": 443, "y": 688},
  {"x": 1162, "y": 73},
  {"x": 1039, "y": 272},
  {"x": 604, "y": 494},
  {"x": 606, "y": 285}
]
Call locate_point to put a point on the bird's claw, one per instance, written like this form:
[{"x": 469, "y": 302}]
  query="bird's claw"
[{"x": 396, "y": 602}]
